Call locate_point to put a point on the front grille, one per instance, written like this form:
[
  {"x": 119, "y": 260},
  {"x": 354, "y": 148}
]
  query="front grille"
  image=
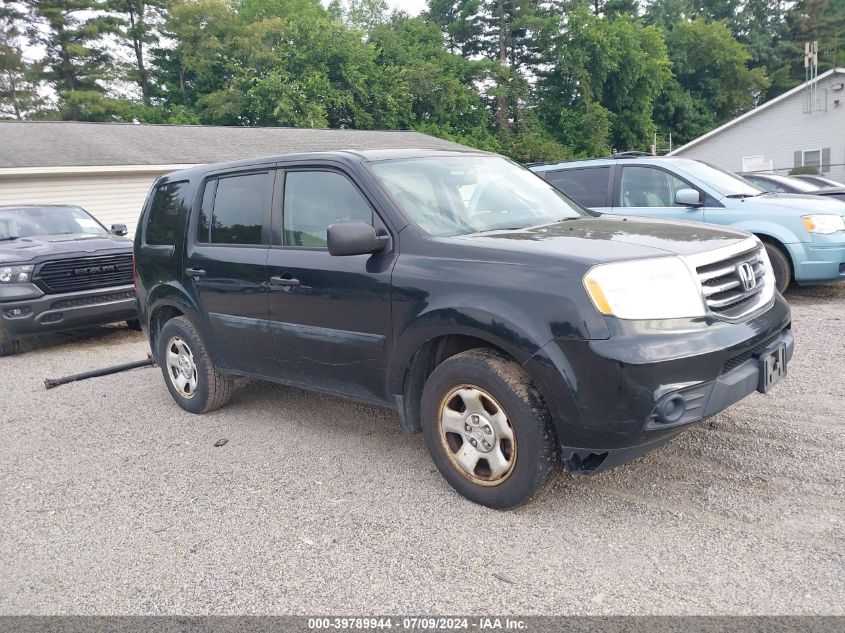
[
  {"x": 739, "y": 359},
  {"x": 733, "y": 287},
  {"x": 85, "y": 273}
]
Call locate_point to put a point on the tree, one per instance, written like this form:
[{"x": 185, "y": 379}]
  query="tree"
[
  {"x": 366, "y": 15},
  {"x": 76, "y": 61},
  {"x": 713, "y": 81},
  {"x": 19, "y": 95},
  {"x": 135, "y": 26},
  {"x": 602, "y": 79},
  {"x": 441, "y": 99},
  {"x": 510, "y": 27},
  {"x": 461, "y": 22},
  {"x": 822, "y": 21},
  {"x": 761, "y": 26}
]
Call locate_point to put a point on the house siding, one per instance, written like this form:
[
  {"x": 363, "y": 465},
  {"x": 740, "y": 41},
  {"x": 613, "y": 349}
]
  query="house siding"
[
  {"x": 781, "y": 132},
  {"x": 112, "y": 199}
]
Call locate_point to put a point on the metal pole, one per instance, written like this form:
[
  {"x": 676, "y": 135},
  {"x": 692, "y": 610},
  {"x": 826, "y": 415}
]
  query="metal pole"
[{"x": 50, "y": 383}]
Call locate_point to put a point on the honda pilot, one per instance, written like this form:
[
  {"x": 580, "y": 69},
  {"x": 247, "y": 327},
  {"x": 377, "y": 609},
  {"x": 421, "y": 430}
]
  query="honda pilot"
[{"x": 517, "y": 330}]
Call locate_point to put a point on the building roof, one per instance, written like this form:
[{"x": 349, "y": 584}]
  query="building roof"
[
  {"x": 46, "y": 144},
  {"x": 755, "y": 111}
]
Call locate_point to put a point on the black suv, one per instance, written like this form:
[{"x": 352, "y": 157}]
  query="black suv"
[
  {"x": 514, "y": 328},
  {"x": 60, "y": 269}
]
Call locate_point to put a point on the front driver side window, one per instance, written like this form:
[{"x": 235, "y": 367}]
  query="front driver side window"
[
  {"x": 316, "y": 199},
  {"x": 648, "y": 187}
]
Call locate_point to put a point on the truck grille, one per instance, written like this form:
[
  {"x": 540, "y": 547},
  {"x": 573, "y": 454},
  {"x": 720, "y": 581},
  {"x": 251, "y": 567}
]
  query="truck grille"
[
  {"x": 85, "y": 273},
  {"x": 735, "y": 286}
]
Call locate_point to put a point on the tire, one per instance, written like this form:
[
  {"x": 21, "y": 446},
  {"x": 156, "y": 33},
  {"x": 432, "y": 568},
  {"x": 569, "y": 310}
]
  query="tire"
[
  {"x": 194, "y": 382},
  {"x": 781, "y": 265},
  {"x": 7, "y": 345},
  {"x": 474, "y": 391},
  {"x": 134, "y": 324}
]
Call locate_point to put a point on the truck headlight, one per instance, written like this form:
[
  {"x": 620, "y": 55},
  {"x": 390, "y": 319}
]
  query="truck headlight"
[
  {"x": 660, "y": 288},
  {"x": 824, "y": 224},
  {"x": 15, "y": 274}
]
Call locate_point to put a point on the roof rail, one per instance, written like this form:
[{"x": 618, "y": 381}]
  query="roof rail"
[{"x": 631, "y": 154}]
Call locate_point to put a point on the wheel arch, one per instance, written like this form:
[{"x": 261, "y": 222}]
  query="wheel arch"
[
  {"x": 165, "y": 302},
  {"x": 424, "y": 347}
]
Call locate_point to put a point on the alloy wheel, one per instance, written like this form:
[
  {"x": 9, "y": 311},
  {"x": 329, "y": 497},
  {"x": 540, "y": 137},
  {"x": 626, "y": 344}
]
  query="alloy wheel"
[{"x": 477, "y": 435}]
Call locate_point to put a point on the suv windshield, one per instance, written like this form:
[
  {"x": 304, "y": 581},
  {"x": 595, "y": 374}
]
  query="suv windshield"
[
  {"x": 18, "y": 222},
  {"x": 471, "y": 194},
  {"x": 723, "y": 181}
]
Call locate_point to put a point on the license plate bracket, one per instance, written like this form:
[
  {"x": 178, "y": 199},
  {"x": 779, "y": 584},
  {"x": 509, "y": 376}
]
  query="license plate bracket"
[{"x": 772, "y": 368}]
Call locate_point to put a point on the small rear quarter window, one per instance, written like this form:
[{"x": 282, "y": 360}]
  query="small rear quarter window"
[
  {"x": 166, "y": 213},
  {"x": 589, "y": 186}
]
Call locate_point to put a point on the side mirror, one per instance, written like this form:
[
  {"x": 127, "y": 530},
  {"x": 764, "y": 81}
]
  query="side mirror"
[
  {"x": 354, "y": 238},
  {"x": 688, "y": 198},
  {"x": 119, "y": 229}
]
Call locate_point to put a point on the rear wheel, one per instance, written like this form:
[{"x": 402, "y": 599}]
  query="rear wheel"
[
  {"x": 194, "y": 382},
  {"x": 7, "y": 345},
  {"x": 781, "y": 265},
  {"x": 487, "y": 429}
]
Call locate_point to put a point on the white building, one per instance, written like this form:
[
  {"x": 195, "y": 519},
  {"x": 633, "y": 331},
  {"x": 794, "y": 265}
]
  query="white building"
[
  {"x": 107, "y": 168},
  {"x": 802, "y": 127}
]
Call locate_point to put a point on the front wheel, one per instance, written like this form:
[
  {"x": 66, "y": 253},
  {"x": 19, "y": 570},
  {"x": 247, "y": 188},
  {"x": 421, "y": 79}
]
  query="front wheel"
[
  {"x": 7, "y": 345},
  {"x": 487, "y": 429},
  {"x": 194, "y": 382},
  {"x": 781, "y": 266}
]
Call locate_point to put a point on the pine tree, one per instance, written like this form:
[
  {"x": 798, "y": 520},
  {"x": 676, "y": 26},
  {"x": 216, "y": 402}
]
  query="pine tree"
[
  {"x": 19, "y": 95},
  {"x": 77, "y": 63},
  {"x": 136, "y": 27}
]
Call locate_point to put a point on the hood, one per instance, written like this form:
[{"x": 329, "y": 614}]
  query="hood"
[
  {"x": 35, "y": 249},
  {"x": 609, "y": 238},
  {"x": 800, "y": 203}
]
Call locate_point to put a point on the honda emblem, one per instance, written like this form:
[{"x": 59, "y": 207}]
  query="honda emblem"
[{"x": 747, "y": 278}]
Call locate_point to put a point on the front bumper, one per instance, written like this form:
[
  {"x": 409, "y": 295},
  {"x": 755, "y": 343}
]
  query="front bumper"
[
  {"x": 27, "y": 316},
  {"x": 605, "y": 396},
  {"x": 821, "y": 260}
]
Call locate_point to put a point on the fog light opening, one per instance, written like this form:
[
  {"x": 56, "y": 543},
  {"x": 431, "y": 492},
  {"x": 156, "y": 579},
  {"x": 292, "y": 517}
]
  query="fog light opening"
[{"x": 671, "y": 409}]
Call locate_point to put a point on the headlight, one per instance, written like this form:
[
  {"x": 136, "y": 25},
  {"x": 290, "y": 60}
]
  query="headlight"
[
  {"x": 660, "y": 288},
  {"x": 824, "y": 224},
  {"x": 15, "y": 274}
]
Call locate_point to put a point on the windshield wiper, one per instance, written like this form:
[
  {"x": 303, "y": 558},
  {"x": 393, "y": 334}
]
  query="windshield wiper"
[
  {"x": 11, "y": 237},
  {"x": 500, "y": 228},
  {"x": 742, "y": 196}
]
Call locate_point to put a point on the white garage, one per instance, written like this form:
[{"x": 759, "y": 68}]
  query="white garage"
[
  {"x": 107, "y": 168},
  {"x": 113, "y": 195}
]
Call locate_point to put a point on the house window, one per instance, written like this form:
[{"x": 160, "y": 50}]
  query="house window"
[{"x": 811, "y": 158}]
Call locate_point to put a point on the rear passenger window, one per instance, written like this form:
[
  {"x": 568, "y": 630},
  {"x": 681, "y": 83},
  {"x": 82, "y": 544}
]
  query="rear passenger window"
[
  {"x": 165, "y": 214},
  {"x": 232, "y": 210},
  {"x": 587, "y": 186},
  {"x": 316, "y": 199}
]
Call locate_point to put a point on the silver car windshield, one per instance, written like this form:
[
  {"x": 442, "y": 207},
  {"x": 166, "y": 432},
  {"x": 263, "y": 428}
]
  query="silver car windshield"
[
  {"x": 460, "y": 195},
  {"x": 724, "y": 182},
  {"x": 35, "y": 221}
]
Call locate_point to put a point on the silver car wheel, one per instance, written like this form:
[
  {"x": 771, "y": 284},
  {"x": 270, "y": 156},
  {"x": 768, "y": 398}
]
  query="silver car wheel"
[
  {"x": 181, "y": 367},
  {"x": 477, "y": 435}
]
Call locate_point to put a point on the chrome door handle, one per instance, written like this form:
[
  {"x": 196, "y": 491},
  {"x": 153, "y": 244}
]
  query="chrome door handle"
[{"x": 288, "y": 282}]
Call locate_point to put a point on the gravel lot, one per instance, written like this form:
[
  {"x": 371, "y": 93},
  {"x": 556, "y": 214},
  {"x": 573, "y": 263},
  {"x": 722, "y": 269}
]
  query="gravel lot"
[{"x": 115, "y": 501}]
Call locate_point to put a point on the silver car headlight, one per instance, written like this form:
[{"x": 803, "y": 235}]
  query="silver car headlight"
[
  {"x": 15, "y": 274},
  {"x": 659, "y": 288},
  {"x": 824, "y": 224}
]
